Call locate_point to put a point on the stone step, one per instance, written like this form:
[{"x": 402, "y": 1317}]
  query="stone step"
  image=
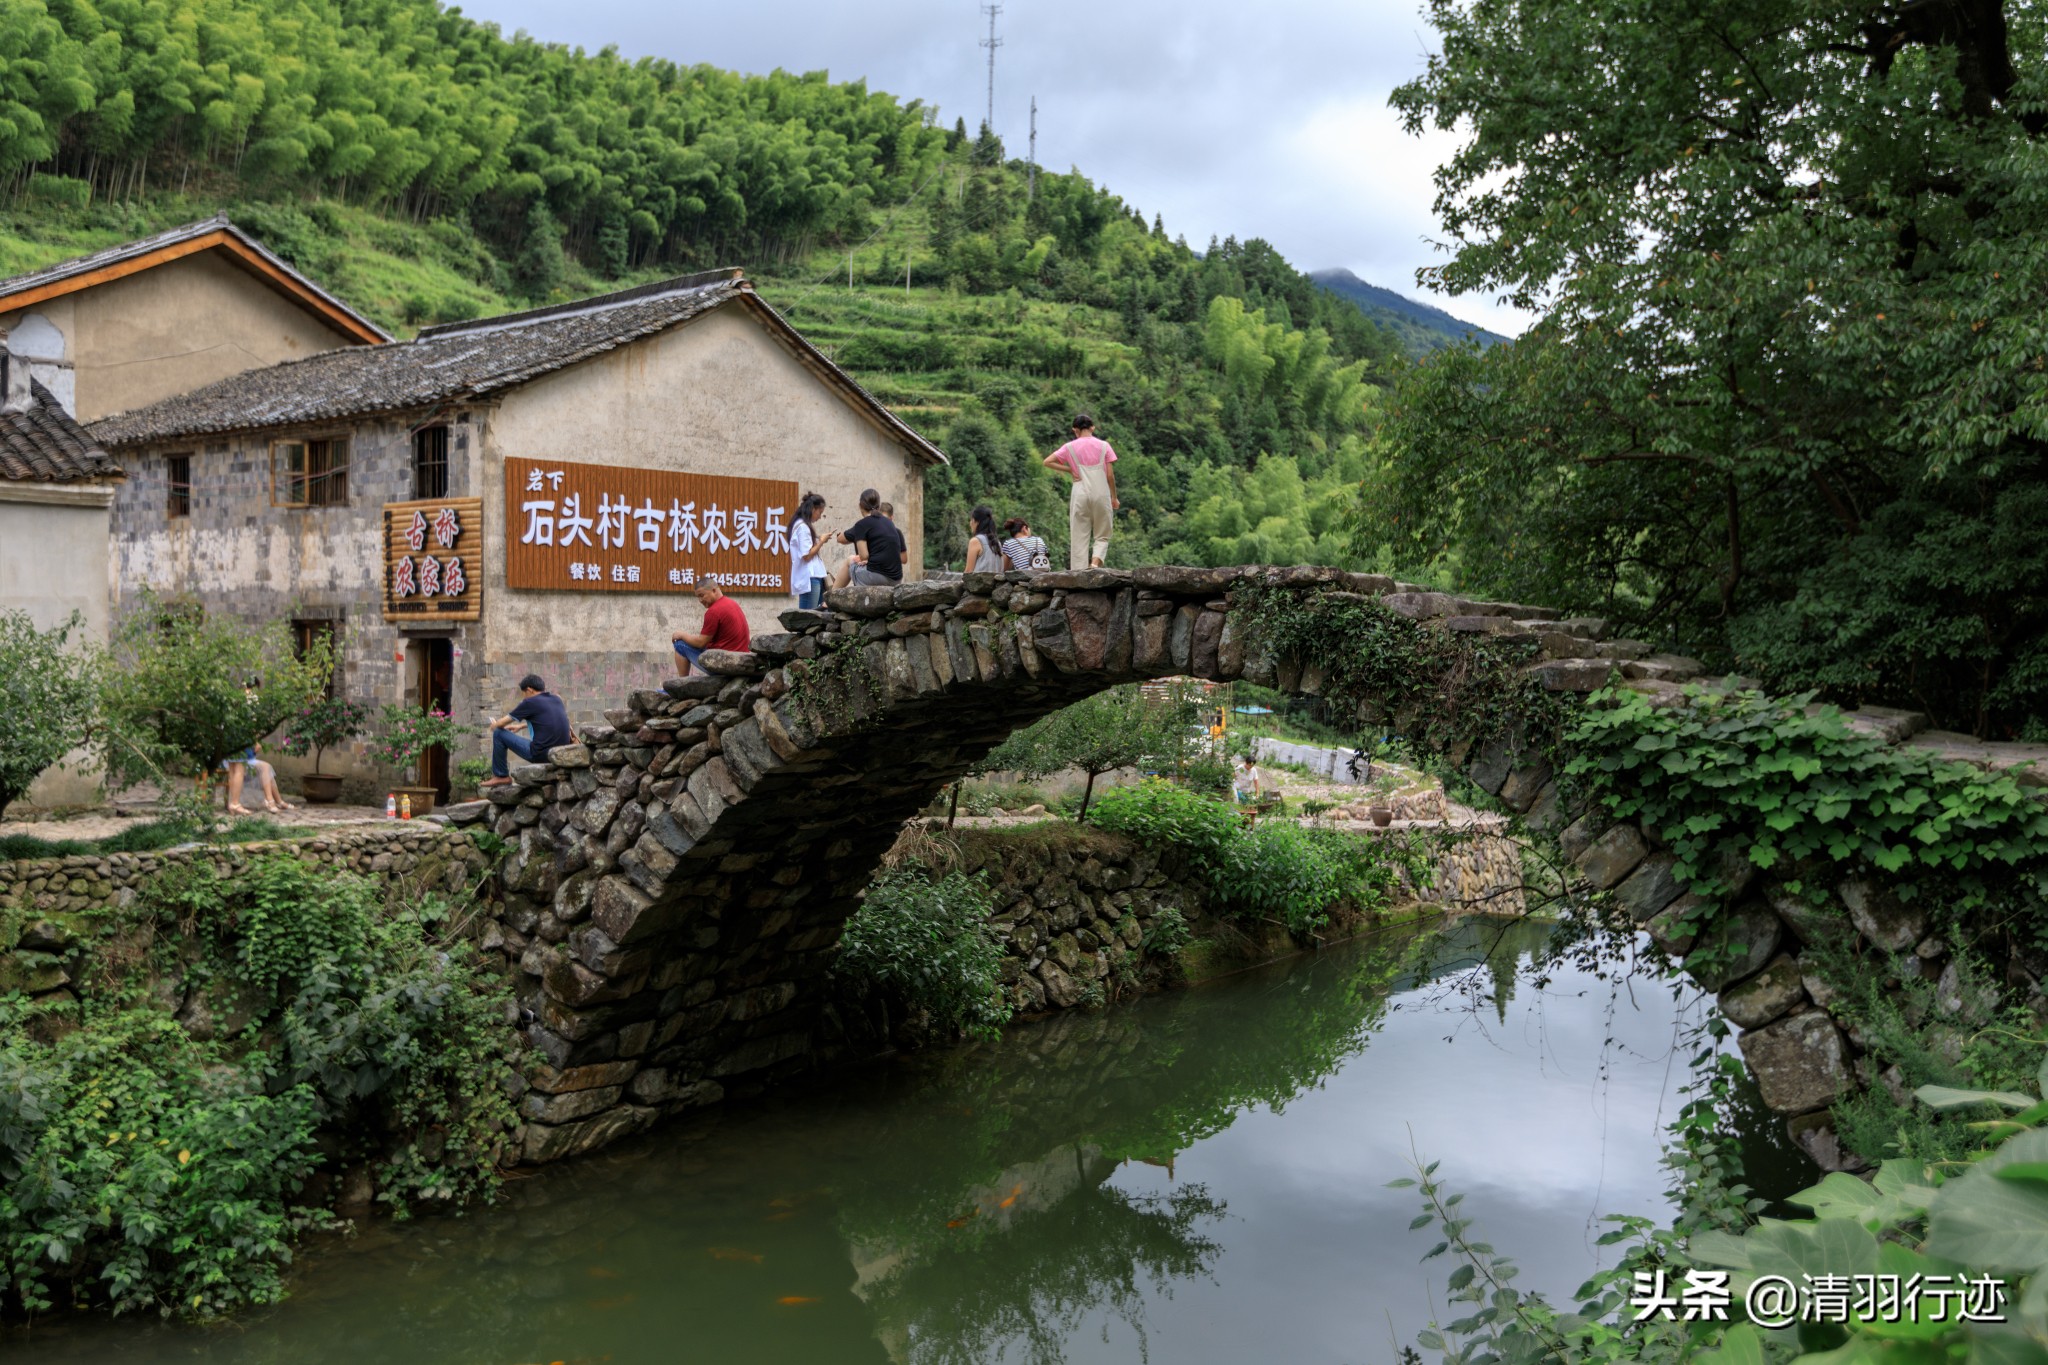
[{"x": 1994, "y": 755}]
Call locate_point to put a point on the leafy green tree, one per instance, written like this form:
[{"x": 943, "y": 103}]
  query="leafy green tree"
[
  {"x": 541, "y": 263},
  {"x": 178, "y": 698},
  {"x": 1787, "y": 397},
  {"x": 1118, "y": 728},
  {"x": 51, "y": 686}
]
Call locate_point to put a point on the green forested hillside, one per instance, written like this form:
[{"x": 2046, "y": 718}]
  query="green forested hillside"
[{"x": 427, "y": 168}]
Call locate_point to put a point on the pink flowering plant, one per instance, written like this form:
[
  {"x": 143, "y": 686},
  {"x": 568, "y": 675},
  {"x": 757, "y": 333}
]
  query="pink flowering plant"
[
  {"x": 407, "y": 732},
  {"x": 323, "y": 723}
]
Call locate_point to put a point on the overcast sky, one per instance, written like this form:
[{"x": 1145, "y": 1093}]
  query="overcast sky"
[{"x": 1266, "y": 120}]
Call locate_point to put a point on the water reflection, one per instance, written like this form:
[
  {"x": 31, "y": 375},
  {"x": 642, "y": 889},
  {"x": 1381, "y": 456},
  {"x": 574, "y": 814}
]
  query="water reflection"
[{"x": 1198, "y": 1176}]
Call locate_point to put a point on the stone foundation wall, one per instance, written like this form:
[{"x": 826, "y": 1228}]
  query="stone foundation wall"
[{"x": 50, "y": 907}]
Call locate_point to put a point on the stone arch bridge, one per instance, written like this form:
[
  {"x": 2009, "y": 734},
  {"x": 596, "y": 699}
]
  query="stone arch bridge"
[{"x": 678, "y": 881}]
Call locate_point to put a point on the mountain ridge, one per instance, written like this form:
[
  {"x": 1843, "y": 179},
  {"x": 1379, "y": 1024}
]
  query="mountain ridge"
[{"x": 1421, "y": 326}]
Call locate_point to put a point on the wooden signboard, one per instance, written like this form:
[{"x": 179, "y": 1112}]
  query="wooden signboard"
[
  {"x": 433, "y": 560},
  {"x": 605, "y": 528}
]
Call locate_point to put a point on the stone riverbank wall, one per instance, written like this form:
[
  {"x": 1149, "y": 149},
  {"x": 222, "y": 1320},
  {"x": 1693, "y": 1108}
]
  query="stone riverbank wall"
[{"x": 53, "y": 909}]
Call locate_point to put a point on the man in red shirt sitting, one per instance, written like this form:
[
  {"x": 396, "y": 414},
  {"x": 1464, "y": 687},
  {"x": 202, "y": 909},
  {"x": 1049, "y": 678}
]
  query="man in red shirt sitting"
[{"x": 725, "y": 627}]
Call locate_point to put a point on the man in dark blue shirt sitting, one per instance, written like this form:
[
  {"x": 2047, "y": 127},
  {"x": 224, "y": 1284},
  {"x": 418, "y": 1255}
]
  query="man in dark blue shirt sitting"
[{"x": 542, "y": 710}]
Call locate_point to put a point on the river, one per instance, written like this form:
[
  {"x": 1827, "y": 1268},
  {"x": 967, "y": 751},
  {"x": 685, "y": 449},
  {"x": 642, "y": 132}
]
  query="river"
[{"x": 1198, "y": 1176}]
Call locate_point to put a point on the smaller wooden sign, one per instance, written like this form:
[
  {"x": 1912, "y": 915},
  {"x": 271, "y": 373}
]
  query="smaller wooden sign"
[{"x": 433, "y": 560}]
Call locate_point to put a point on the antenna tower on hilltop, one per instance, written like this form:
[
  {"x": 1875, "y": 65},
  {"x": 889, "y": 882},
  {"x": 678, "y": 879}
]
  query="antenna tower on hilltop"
[
  {"x": 1031, "y": 165},
  {"x": 991, "y": 43}
]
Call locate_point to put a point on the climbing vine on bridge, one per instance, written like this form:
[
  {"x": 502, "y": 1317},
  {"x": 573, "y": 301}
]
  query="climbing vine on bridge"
[
  {"x": 1444, "y": 691},
  {"x": 1761, "y": 778}
]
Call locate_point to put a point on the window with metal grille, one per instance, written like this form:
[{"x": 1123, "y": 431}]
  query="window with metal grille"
[
  {"x": 178, "y": 473},
  {"x": 309, "y": 473},
  {"x": 430, "y": 462}
]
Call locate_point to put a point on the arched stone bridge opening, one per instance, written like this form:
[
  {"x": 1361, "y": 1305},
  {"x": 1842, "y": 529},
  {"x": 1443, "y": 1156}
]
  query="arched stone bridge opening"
[{"x": 678, "y": 882}]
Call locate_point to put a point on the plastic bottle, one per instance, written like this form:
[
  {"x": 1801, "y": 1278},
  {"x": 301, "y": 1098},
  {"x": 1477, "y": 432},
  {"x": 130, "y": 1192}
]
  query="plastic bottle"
[
  {"x": 405, "y": 806},
  {"x": 390, "y": 806}
]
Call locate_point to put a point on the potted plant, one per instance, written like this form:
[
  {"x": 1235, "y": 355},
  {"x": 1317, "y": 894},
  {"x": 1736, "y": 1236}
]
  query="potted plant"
[
  {"x": 319, "y": 725},
  {"x": 408, "y": 732},
  {"x": 470, "y": 774}
]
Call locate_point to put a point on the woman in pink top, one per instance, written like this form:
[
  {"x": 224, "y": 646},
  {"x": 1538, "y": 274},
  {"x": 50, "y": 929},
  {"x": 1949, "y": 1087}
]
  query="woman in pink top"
[{"x": 1090, "y": 464}]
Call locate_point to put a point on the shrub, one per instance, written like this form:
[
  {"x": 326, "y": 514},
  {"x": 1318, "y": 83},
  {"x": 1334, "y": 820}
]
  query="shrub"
[
  {"x": 52, "y": 699},
  {"x": 135, "y": 1157},
  {"x": 928, "y": 941},
  {"x": 321, "y": 724},
  {"x": 1207, "y": 774},
  {"x": 1157, "y": 813},
  {"x": 178, "y": 699},
  {"x": 1277, "y": 871},
  {"x": 143, "y": 1168}
]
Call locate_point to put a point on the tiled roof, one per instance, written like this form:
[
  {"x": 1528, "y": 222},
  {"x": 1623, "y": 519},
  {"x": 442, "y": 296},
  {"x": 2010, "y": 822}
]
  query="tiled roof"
[
  {"x": 44, "y": 444},
  {"x": 469, "y": 360},
  {"x": 215, "y": 233}
]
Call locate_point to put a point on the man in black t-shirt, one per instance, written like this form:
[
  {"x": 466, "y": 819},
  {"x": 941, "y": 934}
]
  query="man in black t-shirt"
[
  {"x": 878, "y": 548},
  {"x": 544, "y": 712}
]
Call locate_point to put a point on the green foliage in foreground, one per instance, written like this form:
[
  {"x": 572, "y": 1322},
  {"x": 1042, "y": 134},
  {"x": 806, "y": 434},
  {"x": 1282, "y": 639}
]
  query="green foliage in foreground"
[
  {"x": 1276, "y": 871},
  {"x": 1983, "y": 1216},
  {"x": 1757, "y": 778},
  {"x": 926, "y": 940},
  {"x": 51, "y": 693},
  {"x": 1788, "y": 397},
  {"x": 142, "y": 1168}
]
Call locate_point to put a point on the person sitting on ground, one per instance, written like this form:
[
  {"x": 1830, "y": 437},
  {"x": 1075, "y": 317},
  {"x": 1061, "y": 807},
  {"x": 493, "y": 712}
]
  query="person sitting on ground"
[
  {"x": 248, "y": 765},
  {"x": 878, "y": 548},
  {"x": 1092, "y": 502},
  {"x": 982, "y": 556},
  {"x": 543, "y": 712},
  {"x": 1246, "y": 781},
  {"x": 1024, "y": 551},
  {"x": 725, "y": 627}
]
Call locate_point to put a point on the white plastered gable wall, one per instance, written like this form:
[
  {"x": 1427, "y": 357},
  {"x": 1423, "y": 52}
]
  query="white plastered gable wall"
[{"x": 34, "y": 337}]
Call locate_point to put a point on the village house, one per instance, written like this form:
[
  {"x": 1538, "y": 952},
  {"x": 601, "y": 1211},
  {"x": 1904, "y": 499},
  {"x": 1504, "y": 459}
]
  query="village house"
[
  {"x": 56, "y": 488},
  {"x": 537, "y": 492},
  {"x": 164, "y": 315}
]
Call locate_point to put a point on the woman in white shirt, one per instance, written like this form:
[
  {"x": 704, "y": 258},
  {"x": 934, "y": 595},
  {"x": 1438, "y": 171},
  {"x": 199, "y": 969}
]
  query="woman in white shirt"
[
  {"x": 1247, "y": 781},
  {"x": 806, "y": 565}
]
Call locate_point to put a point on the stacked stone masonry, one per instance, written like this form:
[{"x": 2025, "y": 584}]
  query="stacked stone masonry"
[
  {"x": 48, "y": 905},
  {"x": 678, "y": 880}
]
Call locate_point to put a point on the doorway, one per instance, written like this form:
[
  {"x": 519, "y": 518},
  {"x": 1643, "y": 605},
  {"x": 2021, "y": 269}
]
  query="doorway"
[{"x": 436, "y": 690}]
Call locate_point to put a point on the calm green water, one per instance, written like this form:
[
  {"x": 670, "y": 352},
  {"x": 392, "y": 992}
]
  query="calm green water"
[{"x": 1196, "y": 1177}]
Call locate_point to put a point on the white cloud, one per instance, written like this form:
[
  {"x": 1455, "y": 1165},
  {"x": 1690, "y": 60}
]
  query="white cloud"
[{"x": 1228, "y": 119}]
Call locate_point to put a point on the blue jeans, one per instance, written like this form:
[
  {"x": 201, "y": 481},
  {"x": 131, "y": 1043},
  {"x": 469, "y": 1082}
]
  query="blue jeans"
[
  {"x": 813, "y": 597},
  {"x": 689, "y": 652},
  {"x": 502, "y": 740}
]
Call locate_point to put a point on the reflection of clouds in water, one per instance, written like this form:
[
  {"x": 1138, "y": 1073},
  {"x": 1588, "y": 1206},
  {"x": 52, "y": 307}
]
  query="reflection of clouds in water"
[
  {"x": 866, "y": 1219},
  {"x": 1546, "y": 1121}
]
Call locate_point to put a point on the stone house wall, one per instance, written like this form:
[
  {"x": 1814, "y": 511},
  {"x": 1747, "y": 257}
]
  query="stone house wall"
[{"x": 237, "y": 555}]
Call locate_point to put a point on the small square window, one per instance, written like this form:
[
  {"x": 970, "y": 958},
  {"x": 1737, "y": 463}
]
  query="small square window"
[
  {"x": 309, "y": 473},
  {"x": 178, "y": 474},
  {"x": 430, "y": 462}
]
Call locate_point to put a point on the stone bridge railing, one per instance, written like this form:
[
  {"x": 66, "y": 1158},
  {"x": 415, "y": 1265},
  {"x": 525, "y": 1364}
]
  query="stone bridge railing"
[{"x": 678, "y": 881}]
